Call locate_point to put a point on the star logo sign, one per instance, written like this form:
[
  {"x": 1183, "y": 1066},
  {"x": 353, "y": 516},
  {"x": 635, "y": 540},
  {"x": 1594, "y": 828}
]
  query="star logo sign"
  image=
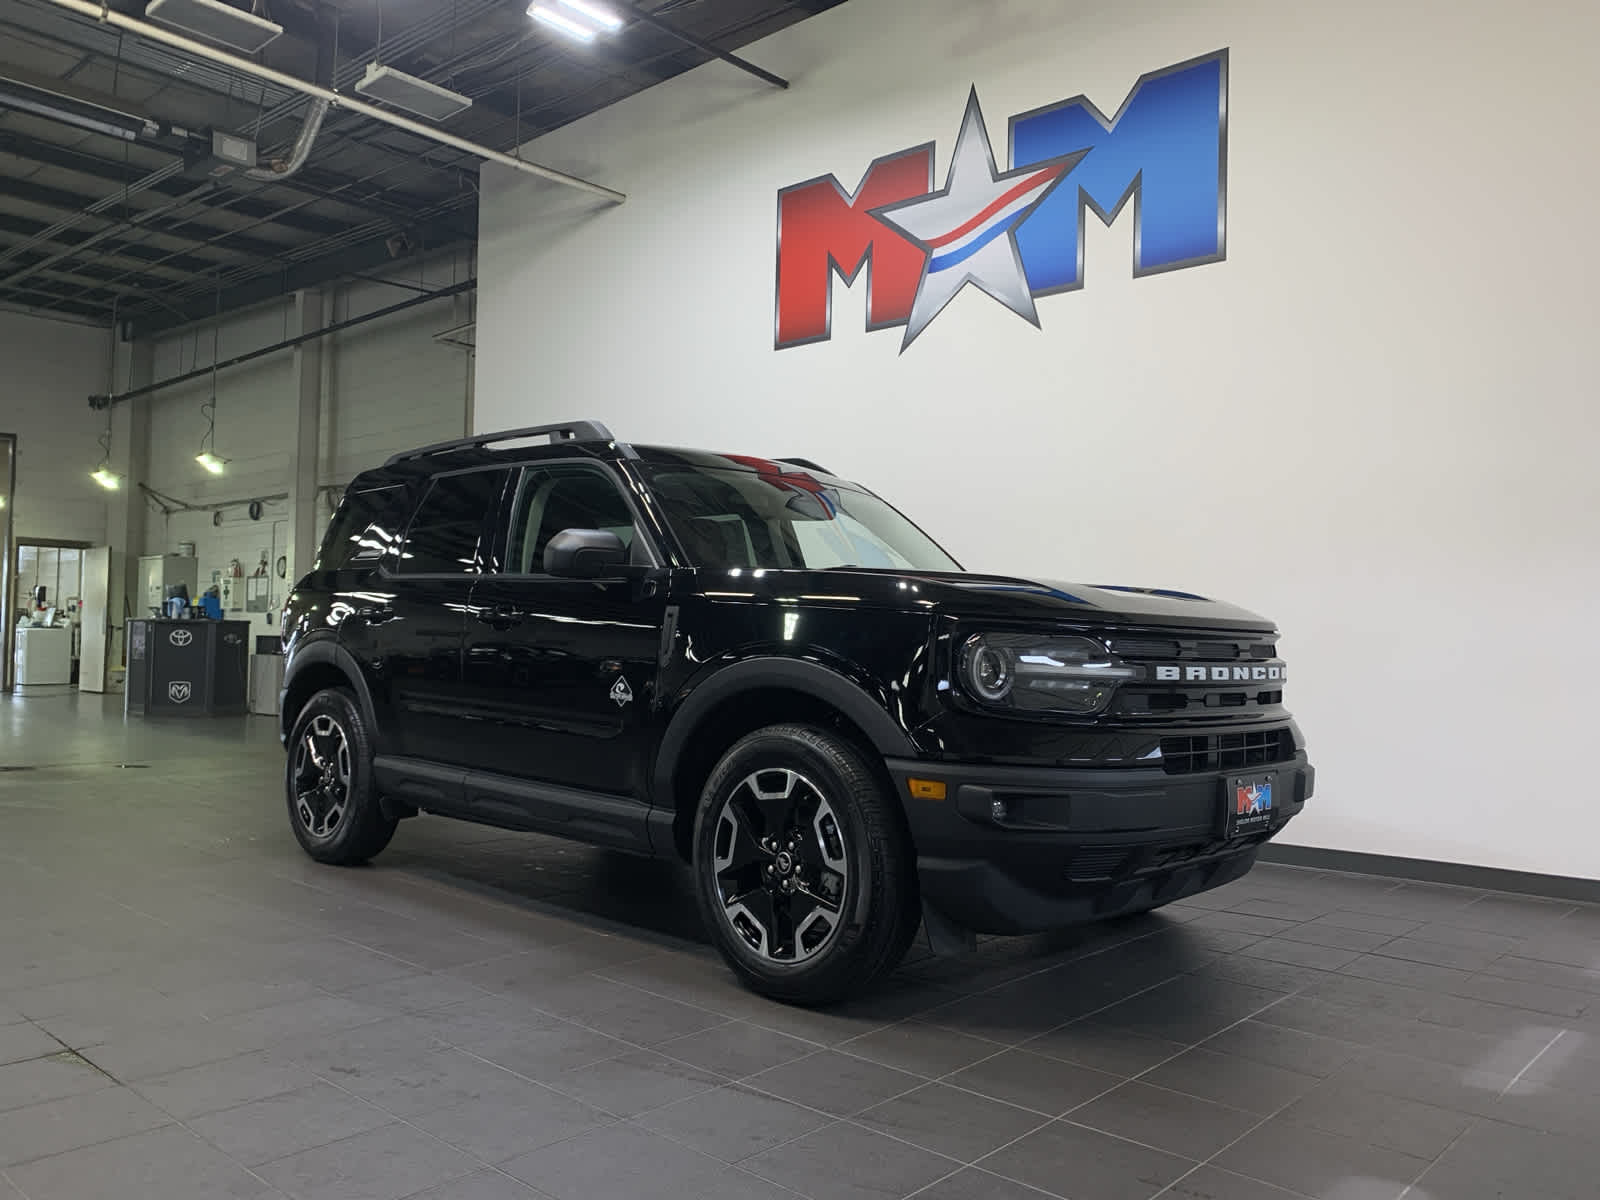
[{"x": 968, "y": 231}]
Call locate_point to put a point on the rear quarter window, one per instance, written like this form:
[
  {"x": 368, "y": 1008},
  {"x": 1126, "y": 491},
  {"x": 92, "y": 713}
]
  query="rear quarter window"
[{"x": 367, "y": 526}]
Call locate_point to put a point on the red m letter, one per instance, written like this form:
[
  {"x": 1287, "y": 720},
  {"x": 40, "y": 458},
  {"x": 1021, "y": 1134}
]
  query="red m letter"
[{"x": 823, "y": 229}]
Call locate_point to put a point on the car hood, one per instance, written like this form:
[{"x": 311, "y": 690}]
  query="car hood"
[{"x": 1014, "y": 598}]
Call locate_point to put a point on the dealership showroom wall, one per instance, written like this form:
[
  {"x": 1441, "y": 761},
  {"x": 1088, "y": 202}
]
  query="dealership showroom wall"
[{"x": 1129, "y": 307}]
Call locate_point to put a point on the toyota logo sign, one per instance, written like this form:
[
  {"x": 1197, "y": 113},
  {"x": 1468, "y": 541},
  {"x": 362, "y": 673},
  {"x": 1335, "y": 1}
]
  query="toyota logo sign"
[
  {"x": 180, "y": 637},
  {"x": 179, "y": 691}
]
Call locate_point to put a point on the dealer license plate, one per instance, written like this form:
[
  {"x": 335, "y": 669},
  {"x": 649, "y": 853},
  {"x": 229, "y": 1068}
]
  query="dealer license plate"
[{"x": 1249, "y": 801}]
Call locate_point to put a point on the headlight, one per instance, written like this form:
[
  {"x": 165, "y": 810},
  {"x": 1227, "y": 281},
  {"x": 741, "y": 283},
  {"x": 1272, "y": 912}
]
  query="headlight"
[{"x": 1041, "y": 673}]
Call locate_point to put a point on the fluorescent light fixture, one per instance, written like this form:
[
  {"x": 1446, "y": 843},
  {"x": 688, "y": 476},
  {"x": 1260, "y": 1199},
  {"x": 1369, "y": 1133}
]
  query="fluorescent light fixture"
[
  {"x": 211, "y": 462},
  {"x": 216, "y": 22},
  {"x": 566, "y": 24},
  {"x": 609, "y": 21},
  {"x": 109, "y": 480},
  {"x": 410, "y": 93}
]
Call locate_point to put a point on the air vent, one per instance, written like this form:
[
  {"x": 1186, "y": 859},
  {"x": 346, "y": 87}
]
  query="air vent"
[
  {"x": 410, "y": 93},
  {"x": 1225, "y": 751}
]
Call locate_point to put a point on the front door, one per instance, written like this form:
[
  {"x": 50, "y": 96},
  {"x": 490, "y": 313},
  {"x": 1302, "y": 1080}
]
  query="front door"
[{"x": 562, "y": 672}]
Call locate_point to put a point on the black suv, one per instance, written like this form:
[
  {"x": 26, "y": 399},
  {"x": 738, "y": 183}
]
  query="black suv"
[{"x": 773, "y": 674}]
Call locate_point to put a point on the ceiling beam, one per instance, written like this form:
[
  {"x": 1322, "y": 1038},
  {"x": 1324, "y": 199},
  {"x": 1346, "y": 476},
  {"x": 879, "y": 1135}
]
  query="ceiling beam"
[
  {"x": 137, "y": 256},
  {"x": 452, "y": 230}
]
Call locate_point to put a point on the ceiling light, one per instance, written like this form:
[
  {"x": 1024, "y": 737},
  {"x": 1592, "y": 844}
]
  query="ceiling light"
[
  {"x": 216, "y": 22},
  {"x": 410, "y": 93},
  {"x": 609, "y": 21},
  {"x": 211, "y": 462},
  {"x": 564, "y": 23},
  {"x": 109, "y": 480}
]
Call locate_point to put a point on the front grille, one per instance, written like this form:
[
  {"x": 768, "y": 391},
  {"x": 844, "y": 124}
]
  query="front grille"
[
  {"x": 1096, "y": 862},
  {"x": 1225, "y": 751}
]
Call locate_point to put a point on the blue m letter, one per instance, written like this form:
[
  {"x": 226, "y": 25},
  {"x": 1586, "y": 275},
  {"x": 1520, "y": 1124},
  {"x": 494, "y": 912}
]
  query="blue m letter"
[{"x": 1166, "y": 147}]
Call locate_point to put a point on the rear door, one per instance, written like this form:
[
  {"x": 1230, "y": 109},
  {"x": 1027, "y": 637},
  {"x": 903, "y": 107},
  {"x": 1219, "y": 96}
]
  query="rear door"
[
  {"x": 564, "y": 670},
  {"x": 414, "y": 616}
]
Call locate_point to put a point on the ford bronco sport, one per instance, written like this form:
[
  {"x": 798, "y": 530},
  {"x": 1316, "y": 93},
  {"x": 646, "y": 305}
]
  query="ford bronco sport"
[{"x": 773, "y": 674}]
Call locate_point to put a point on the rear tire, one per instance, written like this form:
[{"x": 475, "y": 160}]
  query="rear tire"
[
  {"x": 803, "y": 866},
  {"x": 329, "y": 784}
]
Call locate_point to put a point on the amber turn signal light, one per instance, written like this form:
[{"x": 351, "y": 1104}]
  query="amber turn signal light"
[{"x": 926, "y": 789}]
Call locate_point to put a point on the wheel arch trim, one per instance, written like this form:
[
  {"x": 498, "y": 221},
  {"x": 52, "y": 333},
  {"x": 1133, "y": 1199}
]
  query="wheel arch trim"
[{"x": 324, "y": 653}]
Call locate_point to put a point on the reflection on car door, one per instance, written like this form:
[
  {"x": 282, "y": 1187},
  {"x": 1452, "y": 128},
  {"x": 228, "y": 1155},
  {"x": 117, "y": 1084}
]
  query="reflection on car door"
[{"x": 563, "y": 670}]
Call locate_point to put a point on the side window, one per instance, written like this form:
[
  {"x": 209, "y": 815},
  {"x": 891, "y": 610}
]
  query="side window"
[
  {"x": 365, "y": 528},
  {"x": 447, "y": 531},
  {"x": 550, "y": 499}
]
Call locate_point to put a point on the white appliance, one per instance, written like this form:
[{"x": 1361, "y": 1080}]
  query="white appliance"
[{"x": 43, "y": 655}]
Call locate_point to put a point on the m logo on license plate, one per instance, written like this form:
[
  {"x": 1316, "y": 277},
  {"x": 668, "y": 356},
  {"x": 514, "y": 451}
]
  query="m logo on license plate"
[{"x": 1249, "y": 805}]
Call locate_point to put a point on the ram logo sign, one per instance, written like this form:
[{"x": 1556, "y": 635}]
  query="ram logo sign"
[{"x": 1015, "y": 233}]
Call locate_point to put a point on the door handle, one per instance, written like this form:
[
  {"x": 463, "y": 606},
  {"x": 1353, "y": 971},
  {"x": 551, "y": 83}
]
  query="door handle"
[
  {"x": 376, "y": 616},
  {"x": 500, "y": 617}
]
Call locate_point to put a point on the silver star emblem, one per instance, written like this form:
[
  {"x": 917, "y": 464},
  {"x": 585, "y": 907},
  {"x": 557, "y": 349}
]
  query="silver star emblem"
[{"x": 968, "y": 231}]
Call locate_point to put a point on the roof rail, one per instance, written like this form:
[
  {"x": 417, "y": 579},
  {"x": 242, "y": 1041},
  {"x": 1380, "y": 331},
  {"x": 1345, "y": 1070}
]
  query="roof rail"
[
  {"x": 564, "y": 431},
  {"x": 806, "y": 463}
]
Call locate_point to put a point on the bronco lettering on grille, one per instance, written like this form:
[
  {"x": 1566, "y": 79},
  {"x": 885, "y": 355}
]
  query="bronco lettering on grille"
[{"x": 1218, "y": 673}]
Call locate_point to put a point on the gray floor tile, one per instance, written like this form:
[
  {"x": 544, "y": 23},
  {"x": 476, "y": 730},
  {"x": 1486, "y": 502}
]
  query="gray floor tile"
[
  {"x": 1171, "y": 1121},
  {"x": 547, "y": 1053},
  {"x": 37, "y": 1080},
  {"x": 1301, "y": 953},
  {"x": 1318, "y": 1163},
  {"x": 1213, "y": 1183},
  {"x": 948, "y": 1121},
  {"x": 513, "y": 1119},
  {"x": 1277, "y": 1046},
  {"x": 77, "y": 1121},
  {"x": 975, "y": 1183},
  {"x": 1531, "y": 970},
  {"x": 385, "y": 1164},
  {"x": 733, "y": 1123},
  {"x": 1085, "y": 1164},
  {"x": 1043, "y": 1085},
  {"x": 1229, "y": 1080},
  {"x": 22, "y": 1041},
  {"x": 163, "y": 1164},
  {"x": 846, "y": 1162},
  {"x": 233, "y": 1081},
  {"x": 1440, "y": 954},
  {"x": 737, "y": 1049},
  {"x": 286, "y": 1124},
  {"x": 480, "y": 1185},
  {"x": 624, "y": 1160},
  {"x": 1409, "y": 1126},
  {"x": 634, "y": 1083},
  {"x": 1107, "y": 1048},
  {"x": 423, "y": 1083},
  {"x": 1373, "y": 919},
  {"x": 1492, "y": 1161},
  {"x": 834, "y": 1083},
  {"x": 921, "y": 1048},
  {"x": 1320, "y": 932}
]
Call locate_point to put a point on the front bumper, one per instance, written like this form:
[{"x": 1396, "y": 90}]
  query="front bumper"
[{"x": 1077, "y": 845}]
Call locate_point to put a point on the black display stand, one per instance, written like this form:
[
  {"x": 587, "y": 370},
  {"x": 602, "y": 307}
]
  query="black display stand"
[{"x": 193, "y": 668}]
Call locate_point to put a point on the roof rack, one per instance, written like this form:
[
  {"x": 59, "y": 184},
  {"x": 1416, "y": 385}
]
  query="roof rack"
[
  {"x": 565, "y": 431},
  {"x": 806, "y": 463}
]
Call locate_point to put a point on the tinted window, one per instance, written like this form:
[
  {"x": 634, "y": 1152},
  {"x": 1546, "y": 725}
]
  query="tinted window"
[
  {"x": 446, "y": 534},
  {"x": 557, "y": 497},
  {"x": 786, "y": 517},
  {"x": 366, "y": 527}
]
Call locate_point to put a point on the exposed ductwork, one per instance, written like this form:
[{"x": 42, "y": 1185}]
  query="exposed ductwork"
[{"x": 282, "y": 168}]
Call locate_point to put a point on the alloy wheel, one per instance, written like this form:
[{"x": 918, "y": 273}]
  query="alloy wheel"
[
  {"x": 780, "y": 865},
  {"x": 322, "y": 777}
]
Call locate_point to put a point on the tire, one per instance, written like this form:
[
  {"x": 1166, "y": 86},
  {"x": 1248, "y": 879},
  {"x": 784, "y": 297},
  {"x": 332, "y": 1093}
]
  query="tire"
[
  {"x": 329, "y": 784},
  {"x": 842, "y": 851}
]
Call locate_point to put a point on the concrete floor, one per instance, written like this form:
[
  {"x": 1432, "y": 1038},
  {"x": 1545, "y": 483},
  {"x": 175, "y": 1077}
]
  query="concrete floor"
[{"x": 190, "y": 1008}]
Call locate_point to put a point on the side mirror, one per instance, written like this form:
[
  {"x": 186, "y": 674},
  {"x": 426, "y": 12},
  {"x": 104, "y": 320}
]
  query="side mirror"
[{"x": 584, "y": 554}]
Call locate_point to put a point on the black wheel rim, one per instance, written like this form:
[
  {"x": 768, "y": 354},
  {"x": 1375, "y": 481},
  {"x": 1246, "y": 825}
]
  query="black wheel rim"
[
  {"x": 780, "y": 865},
  {"x": 322, "y": 777}
]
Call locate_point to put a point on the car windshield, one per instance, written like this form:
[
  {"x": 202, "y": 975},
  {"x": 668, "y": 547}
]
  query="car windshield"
[{"x": 777, "y": 516}]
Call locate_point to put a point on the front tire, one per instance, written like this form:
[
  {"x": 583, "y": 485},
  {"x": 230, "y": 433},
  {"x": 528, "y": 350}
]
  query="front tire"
[
  {"x": 333, "y": 801},
  {"x": 803, "y": 866}
]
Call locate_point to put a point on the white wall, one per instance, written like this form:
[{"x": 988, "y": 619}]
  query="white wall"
[
  {"x": 387, "y": 386},
  {"x": 1374, "y": 422},
  {"x": 50, "y": 368}
]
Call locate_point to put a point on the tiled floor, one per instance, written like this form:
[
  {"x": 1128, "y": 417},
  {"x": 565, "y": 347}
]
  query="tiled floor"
[{"x": 189, "y": 1008}]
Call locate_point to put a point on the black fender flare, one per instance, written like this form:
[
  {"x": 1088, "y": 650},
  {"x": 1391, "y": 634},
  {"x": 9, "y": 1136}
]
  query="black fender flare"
[
  {"x": 751, "y": 674},
  {"x": 325, "y": 652}
]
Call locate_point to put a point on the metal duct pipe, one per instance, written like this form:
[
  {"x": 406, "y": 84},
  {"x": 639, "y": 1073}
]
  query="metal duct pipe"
[
  {"x": 285, "y": 167},
  {"x": 155, "y": 33}
]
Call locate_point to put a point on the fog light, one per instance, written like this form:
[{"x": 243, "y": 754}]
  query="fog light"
[{"x": 997, "y": 810}]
